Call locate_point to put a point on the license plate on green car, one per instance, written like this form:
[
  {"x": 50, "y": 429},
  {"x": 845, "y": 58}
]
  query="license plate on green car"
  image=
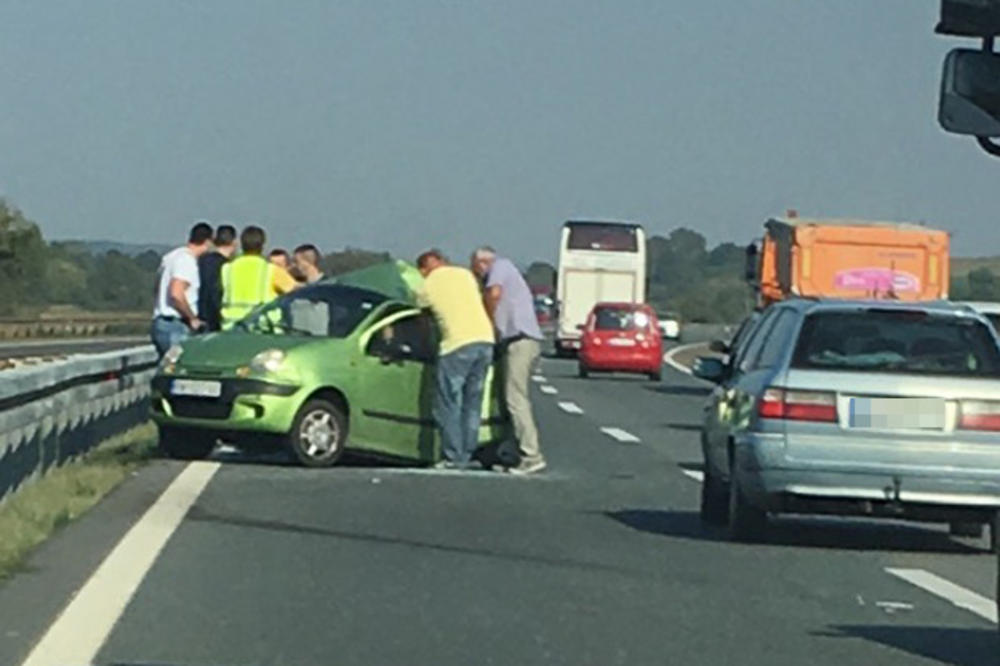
[{"x": 196, "y": 388}]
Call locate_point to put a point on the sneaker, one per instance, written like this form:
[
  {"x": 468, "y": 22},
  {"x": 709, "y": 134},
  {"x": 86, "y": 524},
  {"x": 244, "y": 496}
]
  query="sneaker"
[
  {"x": 447, "y": 465},
  {"x": 528, "y": 467}
]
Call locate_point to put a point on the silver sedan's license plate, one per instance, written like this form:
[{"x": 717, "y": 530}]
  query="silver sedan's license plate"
[
  {"x": 897, "y": 413},
  {"x": 196, "y": 388}
]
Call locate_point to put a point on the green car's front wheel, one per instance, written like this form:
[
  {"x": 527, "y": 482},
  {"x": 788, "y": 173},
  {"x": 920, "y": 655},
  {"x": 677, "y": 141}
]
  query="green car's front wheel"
[{"x": 319, "y": 434}]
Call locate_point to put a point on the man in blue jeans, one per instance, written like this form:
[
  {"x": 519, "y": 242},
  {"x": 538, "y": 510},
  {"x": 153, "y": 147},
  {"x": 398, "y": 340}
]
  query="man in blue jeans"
[
  {"x": 176, "y": 312},
  {"x": 453, "y": 296}
]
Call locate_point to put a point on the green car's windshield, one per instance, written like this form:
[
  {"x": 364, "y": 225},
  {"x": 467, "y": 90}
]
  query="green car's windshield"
[{"x": 322, "y": 310}]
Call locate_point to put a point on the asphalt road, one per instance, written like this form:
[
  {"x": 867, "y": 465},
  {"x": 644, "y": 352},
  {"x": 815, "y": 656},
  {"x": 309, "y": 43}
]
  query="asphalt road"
[
  {"x": 602, "y": 560},
  {"x": 65, "y": 346}
]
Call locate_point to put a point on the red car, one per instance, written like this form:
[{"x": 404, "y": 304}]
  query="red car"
[{"x": 622, "y": 337}]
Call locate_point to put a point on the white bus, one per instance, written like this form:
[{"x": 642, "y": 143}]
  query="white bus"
[{"x": 599, "y": 262}]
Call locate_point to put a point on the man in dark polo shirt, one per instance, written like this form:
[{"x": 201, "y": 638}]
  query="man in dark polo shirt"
[{"x": 210, "y": 270}]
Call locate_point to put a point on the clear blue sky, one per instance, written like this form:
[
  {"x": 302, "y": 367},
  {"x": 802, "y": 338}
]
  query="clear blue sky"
[{"x": 397, "y": 125}]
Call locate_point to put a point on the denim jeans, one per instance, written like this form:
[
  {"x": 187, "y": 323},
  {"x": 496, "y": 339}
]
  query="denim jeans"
[
  {"x": 166, "y": 333},
  {"x": 458, "y": 404}
]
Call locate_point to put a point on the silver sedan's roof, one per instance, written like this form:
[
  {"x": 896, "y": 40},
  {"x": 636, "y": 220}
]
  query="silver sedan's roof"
[
  {"x": 931, "y": 307},
  {"x": 984, "y": 307}
]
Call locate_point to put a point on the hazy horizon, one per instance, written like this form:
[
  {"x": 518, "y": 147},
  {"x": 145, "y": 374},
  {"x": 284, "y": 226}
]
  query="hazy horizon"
[{"x": 400, "y": 125}]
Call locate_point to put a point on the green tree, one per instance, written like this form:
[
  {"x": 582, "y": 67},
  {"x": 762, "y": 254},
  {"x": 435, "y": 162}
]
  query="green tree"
[
  {"x": 982, "y": 285},
  {"x": 541, "y": 275},
  {"x": 22, "y": 260},
  {"x": 351, "y": 259}
]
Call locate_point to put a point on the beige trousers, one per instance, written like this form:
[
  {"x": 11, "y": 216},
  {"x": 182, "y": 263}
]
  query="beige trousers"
[{"x": 518, "y": 364}]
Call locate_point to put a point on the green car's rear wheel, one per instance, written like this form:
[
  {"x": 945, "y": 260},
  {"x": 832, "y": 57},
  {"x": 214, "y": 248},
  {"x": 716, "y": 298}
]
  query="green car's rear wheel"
[
  {"x": 319, "y": 434},
  {"x": 186, "y": 443}
]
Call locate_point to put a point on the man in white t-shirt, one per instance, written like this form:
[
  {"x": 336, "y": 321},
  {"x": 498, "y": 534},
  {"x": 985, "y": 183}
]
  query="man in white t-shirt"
[{"x": 176, "y": 313}]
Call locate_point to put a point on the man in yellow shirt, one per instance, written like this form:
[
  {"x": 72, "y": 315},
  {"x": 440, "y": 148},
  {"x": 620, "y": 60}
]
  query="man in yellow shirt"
[
  {"x": 250, "y": 279},
  {"x": 467, "y": 339}
]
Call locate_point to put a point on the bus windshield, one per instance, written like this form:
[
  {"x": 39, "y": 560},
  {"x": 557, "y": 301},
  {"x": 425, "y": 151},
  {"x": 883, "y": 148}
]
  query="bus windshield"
[{"x": 604, "y": 237}]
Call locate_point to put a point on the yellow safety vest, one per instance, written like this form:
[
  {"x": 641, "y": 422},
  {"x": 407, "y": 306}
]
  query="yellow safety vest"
[{"x": 246, "y": 283}]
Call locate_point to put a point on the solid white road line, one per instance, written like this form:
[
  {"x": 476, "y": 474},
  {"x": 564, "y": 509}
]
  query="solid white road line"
[
  {"x": 570, "y": 408},
  {"x": 695, "y": 474},
  {"x": 548, "y": 390},
  {"x": 669, "y": 359},
  {"x": 621, "y": 435},
  {"x": 81, "y": 629},
  {"x": 956, "y": 594}
]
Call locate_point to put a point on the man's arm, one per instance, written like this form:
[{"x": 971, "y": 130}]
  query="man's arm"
[
  {"x": 492, "y": 298},
  {"x": 178, "y": 299},
  {"x": 283, "y": 282}
]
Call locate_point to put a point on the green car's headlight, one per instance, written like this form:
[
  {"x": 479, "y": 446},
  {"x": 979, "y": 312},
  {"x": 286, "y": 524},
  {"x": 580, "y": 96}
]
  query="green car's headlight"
[
  {"x": 269, "y": 360},
  {"x": 169, "y": 361}
]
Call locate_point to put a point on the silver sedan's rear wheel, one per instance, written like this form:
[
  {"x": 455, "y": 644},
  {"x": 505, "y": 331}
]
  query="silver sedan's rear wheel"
[{"x": 319, "y": 434}]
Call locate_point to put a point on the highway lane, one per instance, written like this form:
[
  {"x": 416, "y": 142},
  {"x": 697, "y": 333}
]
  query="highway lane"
[
  {"x": 600, "y": 561},
  {"x": 65, "y": 346}
]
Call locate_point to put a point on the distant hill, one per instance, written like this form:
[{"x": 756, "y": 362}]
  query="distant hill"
[
  {"x": 99, "y": 247},
  {"x": 962, "y": 265}
]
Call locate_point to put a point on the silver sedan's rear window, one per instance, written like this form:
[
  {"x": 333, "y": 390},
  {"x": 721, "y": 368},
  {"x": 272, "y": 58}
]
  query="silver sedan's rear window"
[{"x": 903, "y": 341}]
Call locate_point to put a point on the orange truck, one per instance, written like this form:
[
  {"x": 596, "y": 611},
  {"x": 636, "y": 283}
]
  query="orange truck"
[{"x": 849, "y": 259}]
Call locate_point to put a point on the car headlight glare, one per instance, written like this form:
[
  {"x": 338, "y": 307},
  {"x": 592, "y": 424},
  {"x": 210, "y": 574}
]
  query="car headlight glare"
[
  {"x": 173, "y": 355},
  {"x": 269, "y": 360}
]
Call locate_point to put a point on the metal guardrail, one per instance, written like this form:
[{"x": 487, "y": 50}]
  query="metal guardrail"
[
  {"x": 86, "y": 325},
  {"x": 52, "y": 413}
]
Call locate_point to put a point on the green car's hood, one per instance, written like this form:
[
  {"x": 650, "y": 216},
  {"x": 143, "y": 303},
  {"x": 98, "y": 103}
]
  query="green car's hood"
[
  {"x": 233, "y": 349},
  {"x": 398, "y": 280}
]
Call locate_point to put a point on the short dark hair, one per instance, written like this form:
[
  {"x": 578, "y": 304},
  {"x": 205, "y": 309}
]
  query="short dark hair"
[
  {"x": 278, "y": 252},
  {"x": 200, "y": 234},
  {"x": 428, "y": 256},
  {"x": 225, "y": 234},
  {"x": 252, "y": 240},
  {"x": 310, "y": 251}
]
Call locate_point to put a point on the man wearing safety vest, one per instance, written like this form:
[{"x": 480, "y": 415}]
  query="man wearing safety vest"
[{"x": 250, "y": 279}]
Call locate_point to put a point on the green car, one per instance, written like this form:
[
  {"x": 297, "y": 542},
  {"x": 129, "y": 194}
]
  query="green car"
[{"x": 342, "y": 364}]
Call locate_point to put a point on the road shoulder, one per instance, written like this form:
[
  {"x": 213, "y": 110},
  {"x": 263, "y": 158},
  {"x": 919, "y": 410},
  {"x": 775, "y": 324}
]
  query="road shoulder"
[{"x": 34, "y": 597}]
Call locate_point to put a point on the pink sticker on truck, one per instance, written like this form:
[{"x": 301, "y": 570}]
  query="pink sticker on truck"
[{"x": 876, "y": 279}]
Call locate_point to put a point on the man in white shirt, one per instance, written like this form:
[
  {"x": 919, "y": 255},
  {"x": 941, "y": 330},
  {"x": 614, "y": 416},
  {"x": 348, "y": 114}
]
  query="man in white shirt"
[{"x": 176, "y": 313}]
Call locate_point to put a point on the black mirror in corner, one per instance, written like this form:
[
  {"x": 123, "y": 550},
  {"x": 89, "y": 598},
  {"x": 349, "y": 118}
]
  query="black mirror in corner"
[
  {"x": 709, "y": 368},
  {"x": 718, "y": 346}
]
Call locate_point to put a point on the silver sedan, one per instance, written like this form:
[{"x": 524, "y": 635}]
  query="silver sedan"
[{"x": 856, "y": 408}]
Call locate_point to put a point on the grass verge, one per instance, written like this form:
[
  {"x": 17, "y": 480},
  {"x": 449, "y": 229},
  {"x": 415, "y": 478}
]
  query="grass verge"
[{"x": 34, "y": 512}]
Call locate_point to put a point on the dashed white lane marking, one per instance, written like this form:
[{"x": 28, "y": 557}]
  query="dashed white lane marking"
[
  {"x": 548, "y": 390},
  {"x": 81, "y": 629},
  {"x": 538, "y": 379},
  {"x": 621, "y": 435},
  {"x": 669, "y": 357},
  {"x": 695, "y": 474},
  {"x": 570, "y": 408},
  {"x": 956, "y": 594}
]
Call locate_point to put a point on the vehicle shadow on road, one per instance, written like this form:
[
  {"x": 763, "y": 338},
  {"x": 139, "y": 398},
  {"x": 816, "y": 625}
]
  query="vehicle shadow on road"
[
  {"x": 945, "y": 645},
  {"x": 279, "y": 458},
  {"x": 687, "y": 427},
  {"x": 819, "y": 532},
  {"x": 673, "y": 389}
]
